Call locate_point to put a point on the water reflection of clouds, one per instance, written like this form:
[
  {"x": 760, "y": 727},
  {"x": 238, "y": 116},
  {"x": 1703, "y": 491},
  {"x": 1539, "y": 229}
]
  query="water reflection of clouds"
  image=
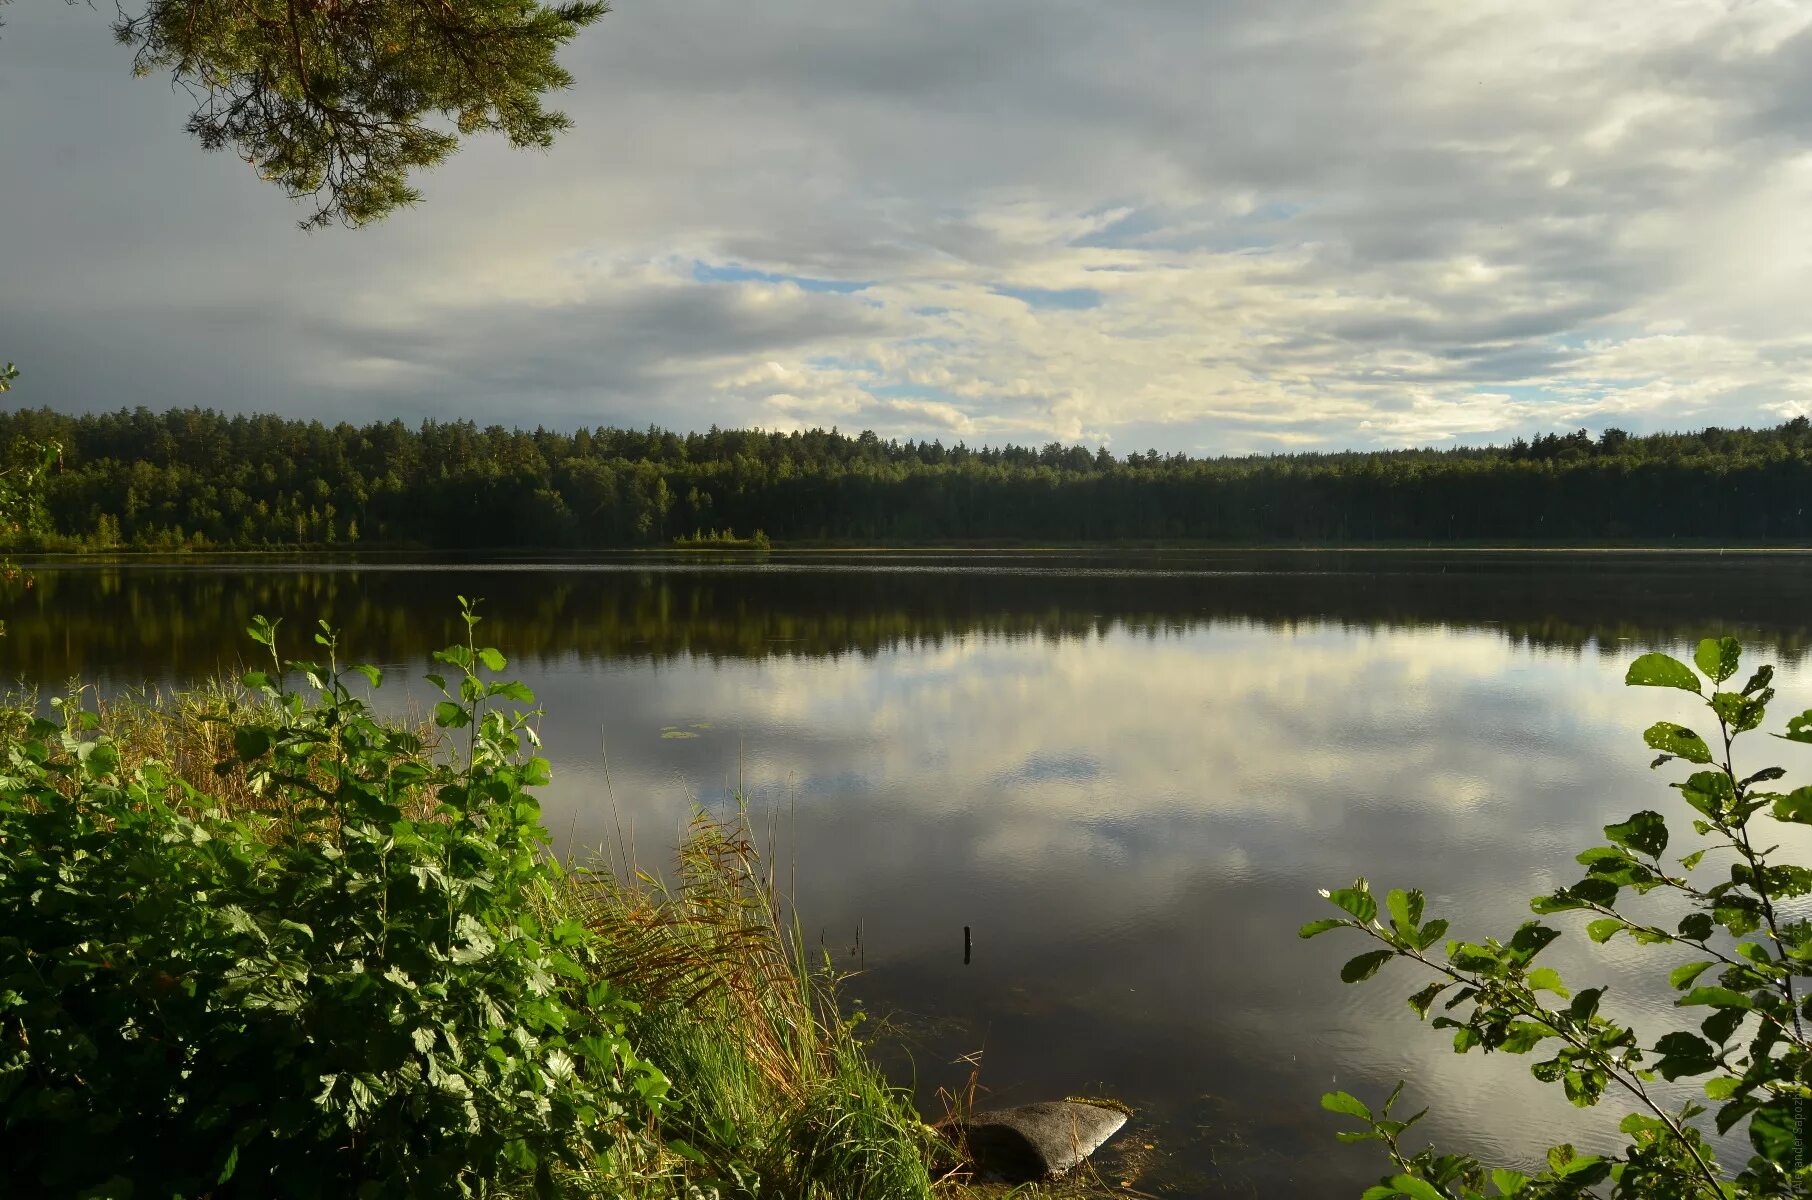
[
  {"x": 1136, "y": 824},
  {"x": 1249, "y": 727}
]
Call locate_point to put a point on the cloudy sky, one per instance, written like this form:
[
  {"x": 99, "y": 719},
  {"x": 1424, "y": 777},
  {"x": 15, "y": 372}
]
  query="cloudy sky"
[{"x": 1201, "y": 225}]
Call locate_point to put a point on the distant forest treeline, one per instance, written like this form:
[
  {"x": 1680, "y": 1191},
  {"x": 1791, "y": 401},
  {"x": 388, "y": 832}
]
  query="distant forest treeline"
[{"x": 193, "y": 478}]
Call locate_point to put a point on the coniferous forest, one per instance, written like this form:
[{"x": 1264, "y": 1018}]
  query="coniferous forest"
[{"x": 199, "y": 479}]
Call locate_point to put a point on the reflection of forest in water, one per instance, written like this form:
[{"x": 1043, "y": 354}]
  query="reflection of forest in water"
[{"x": 159, "y": 621}]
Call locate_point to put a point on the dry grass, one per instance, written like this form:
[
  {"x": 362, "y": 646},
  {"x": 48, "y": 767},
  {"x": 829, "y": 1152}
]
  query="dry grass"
[
  {"x": 191, "y": 732},
  {"x": 778, "y": 1096}
]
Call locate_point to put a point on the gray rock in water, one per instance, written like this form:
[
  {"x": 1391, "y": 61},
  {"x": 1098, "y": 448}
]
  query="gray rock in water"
[{"x": 1036, "y": 1141}]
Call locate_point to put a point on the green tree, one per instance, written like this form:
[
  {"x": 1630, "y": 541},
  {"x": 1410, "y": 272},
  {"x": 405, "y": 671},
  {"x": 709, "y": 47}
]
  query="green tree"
[
  {"x": 339, "y": 101},
  {"x": 1737, "y": 954},
  {"x": 22, "y": 489}
]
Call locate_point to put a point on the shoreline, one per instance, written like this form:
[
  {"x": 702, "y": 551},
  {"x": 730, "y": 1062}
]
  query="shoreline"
[{"x": 554, "y": 555}]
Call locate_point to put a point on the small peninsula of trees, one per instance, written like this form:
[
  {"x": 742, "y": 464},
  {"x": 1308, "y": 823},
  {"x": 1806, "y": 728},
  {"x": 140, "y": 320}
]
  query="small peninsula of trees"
[{"x": 199, "y": 479}]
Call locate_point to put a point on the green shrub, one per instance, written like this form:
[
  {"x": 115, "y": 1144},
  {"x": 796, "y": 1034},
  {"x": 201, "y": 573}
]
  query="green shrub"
[
  {"x": 343, "y": 994},
  {"x": 1743, "y": 946}
]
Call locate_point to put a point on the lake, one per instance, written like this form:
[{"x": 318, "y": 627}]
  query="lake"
[{"x": 1127, "y": 774}]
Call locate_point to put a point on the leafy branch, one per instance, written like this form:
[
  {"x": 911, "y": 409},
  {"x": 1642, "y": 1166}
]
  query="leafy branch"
[{"x": 1756, "y": 1071}]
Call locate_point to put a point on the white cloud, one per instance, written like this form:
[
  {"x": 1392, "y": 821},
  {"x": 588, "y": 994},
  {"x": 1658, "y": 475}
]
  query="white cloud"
[{"x": 1221, "y": 226}]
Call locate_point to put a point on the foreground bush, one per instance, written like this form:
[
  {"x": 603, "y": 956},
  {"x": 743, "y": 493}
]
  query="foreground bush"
[
  {"x": 345, "y": 993},
  {"x": 1737, "y": 955}
]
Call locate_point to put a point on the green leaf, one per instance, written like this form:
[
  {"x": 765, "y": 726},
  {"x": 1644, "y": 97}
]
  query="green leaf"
[
  {"x": 1740, "y": 713},
  {"x": 492, "y": 659},
  {"x": 1322, "y": 926},
  {"x": 1345, "y": 1102},
  {"x": 1356, "y": 900},
  {"x": 1722, "y": 1087},
  {"x": 1584, "y": 1088},
  {"x": 449, "y": 715},
  {"x": 1604, "y": 929},
  {"x": 1634, "y": 1123},
  {"x": 251, "y": 742},
  {"x": 1683, "y": 975},
  {"x": 1585, "y": 1005},
  {"x": 1523, "y": 1036},
  {"x": 1417, "y": 1189},
  {"x": 1661, "y": 670},
  {"x": 1684, "y": 1054},
  {"x": 1678, "y": 741},
  {"x": 1799, "y": 729},
  {"x": 1772, "y": 1131},
  {"x": 1709, "y": 792},
  {"x": 1547, "y": 979},
  {"x": 99, "y": 759},
  {"x": 1645, "y": 832},
  {"x": 1530, "y": 939},
  {"x": 1508, "y": 1182},
  {"x": 1405, "y": 909},
  {"x": 1422, "y": 1000},
  {"x": 1365, "y": 965},
  {"x": 1720, "y": 997},
  {"x": 1731, "y": 1113},
  {"x": 1795, "y": 806},
  {"x": 1718, "y": 658},
  {"x": 1585, "y": 1164},
  {"x": 1721, "y": 1024},
  {"x": 1756, "y": 954}
]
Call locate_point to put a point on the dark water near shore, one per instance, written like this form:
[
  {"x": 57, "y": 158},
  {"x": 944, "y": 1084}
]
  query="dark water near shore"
[{"x": 1128, "y": 774}]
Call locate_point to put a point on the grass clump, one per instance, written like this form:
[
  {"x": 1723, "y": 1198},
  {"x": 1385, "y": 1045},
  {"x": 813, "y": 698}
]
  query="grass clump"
[{"x": 780, "y": 1095}]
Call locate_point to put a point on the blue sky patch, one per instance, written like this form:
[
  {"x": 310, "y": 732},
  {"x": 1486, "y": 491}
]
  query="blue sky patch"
[
  {"x": 833, "y": 362},
  {"x": 706, "y": 272},
  {"x": 909, "y": 391},
  {"x": 1067, "y": 298},
  {"x": 1123, "y": 232}
]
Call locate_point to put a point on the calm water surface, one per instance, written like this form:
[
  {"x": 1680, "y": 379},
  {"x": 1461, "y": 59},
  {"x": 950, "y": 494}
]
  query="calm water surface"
[{"x": 1127, "y": 774}]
